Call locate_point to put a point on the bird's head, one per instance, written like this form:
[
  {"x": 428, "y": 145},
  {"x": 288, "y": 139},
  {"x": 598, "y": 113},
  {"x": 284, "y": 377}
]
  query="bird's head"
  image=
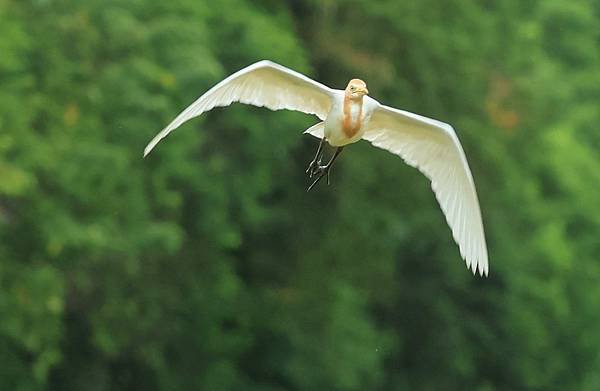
[{"x": 356, "y": 89}]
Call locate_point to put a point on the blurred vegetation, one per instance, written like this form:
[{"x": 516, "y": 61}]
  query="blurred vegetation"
[{"x": 207, "y": 266}]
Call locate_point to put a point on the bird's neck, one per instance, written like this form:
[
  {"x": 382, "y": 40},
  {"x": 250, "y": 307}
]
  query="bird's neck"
[{"x": 352, "y": 115}]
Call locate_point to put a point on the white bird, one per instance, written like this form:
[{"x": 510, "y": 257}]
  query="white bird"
[{"x": 350, "y": 115}]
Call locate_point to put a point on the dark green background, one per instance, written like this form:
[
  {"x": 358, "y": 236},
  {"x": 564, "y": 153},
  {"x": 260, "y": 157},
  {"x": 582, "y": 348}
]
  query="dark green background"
[{"x": 206, "y": 266}]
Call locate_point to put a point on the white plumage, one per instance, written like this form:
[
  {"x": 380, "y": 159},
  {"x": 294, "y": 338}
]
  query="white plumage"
[
  {"x": 429, "y": 145},
  {"x": 261, "y": 84}
]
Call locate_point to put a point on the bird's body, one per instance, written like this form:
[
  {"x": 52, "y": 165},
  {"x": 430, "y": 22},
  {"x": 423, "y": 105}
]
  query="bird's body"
[
  {"x": 348, "y": 119},
  {"x": 350, "y": 115}
]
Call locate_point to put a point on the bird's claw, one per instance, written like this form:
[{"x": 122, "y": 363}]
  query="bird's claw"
[
  {"x": 313, "y": 167},
  {"x": 320, "y": 171}
]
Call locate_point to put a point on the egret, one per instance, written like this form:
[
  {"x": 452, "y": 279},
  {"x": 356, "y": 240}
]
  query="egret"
[{"x": 350, "y": 115}]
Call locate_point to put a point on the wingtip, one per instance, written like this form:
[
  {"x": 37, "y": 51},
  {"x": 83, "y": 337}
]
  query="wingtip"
[
  {"x": 151, "y": 145},
  {"x": 481, "y": 268},
  {"x": 147, "y": 150},
  {"x": 484, "y": 270}
]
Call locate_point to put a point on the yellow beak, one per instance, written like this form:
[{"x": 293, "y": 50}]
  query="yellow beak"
[{"x": 364, "y": 90}]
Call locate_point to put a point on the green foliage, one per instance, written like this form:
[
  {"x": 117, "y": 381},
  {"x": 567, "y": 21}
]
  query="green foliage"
[{"x": 207, "y": 266}]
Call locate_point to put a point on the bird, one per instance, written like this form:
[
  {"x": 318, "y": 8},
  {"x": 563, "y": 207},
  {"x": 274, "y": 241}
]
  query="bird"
[{"x": 349, "y": 115}]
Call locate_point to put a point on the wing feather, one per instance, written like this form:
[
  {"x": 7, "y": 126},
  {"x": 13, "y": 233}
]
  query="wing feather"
[
  {"x": 433, "y": 147},
  {"x": 264, "y": 83}
]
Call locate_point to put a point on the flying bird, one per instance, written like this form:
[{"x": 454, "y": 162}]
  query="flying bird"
[{"x": 350, "y": 115}]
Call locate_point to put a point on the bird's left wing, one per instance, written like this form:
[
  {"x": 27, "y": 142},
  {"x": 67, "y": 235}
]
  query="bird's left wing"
[
  {"x": 264, "y": 83},
  {"x": 433, "y": 148}
]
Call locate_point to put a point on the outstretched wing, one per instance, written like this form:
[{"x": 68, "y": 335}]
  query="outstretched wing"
[
  {"x": 433, "y": 148},
  {"x": 261, "y": 84}
]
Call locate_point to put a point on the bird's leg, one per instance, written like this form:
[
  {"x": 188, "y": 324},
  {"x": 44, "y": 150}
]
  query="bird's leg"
[
  {"x": 316, "y": 162},
  {"x": 324, "y": 170},
  {"x": 335, "y": 155}
]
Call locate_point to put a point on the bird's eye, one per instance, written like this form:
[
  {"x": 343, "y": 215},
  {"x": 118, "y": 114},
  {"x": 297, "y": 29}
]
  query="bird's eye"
[{"x": 352, "y": 88}]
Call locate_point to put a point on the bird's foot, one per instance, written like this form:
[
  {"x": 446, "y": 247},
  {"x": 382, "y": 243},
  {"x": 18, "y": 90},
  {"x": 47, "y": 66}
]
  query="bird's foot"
[
  {"x": 313, "y": 167},
  {"x": 319, "y": 172}
]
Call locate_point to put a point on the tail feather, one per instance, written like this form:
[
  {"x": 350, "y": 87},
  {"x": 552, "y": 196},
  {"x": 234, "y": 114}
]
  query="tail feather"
[{"x": 317, "y": 130}]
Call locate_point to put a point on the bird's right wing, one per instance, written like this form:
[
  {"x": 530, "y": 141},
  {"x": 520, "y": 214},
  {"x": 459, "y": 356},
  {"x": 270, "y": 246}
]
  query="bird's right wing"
[
  {"x": 433, "y": 147},
  {"x": 264, "y": 83}
]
